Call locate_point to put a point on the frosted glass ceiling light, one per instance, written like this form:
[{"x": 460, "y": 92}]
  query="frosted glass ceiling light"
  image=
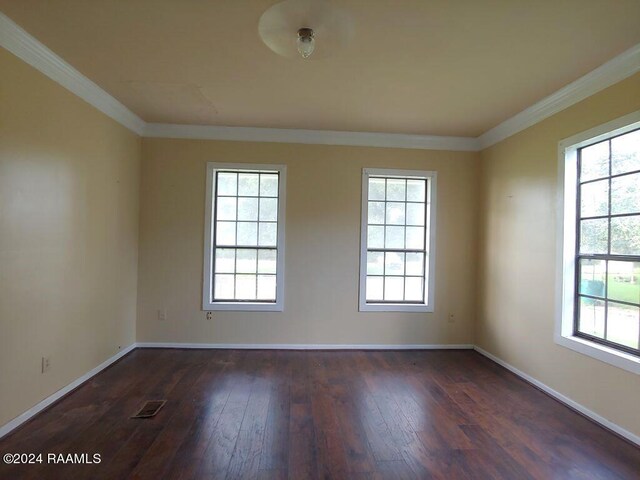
[
  {"x": 306, "y": 42},
  {"x": 297, "y": 29}
]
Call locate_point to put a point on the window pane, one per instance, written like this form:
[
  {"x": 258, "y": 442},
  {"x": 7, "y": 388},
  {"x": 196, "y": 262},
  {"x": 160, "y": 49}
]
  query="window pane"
[
  {"x": 248, "y": 209},
  {"x": 396, "y": 189},
  {"x": 395, "y": 213},
  {"x": 375, "y": 263},
  {"x": 413, "y": 289},
  {"x": 227, "y": 183},
  {"x": 622, "y": 324},
  {"x": 375, "y": 237},
  {"x": 225, "y": 233},
  {"x": 266, "y": 287},
  {"x": 247, "y": 233},
  {"x": 625, "y": 235},
  {"x": 594, "y": 199},
  {"x": 374, "y": 288},
  {"x": 592, "y": 277},
  {"x": 266, "y": 261},
  {"x": 226, "y": 208},
  {"x": 624, "y": 281},
  {"x": 625, "y": 153},
  {"x": 248, "y": 184},
  {"x": 415, "y": 237},
  {"x": 394, "y": 263},
  {"x": 223, "y": 287},
  {"x": 591, "y": 317},
  {"x": 394, "y": 288},
  {"x": 246, "y": 261},
  {"x": 395, "y": 222},
  {"x": 594, "y": 161},
  {"x": 594, "y": 236},
  {"x": 625, "y": 194},
  {"x": 245, "y": 287},
  {"x": 415, "y": 213},
  {"x": 394, "y": 237},
  {"x": 269, "y": 185},
  {"x": 225, "y": 260},
  {"x": 376, "y": 189},
  {"x": 612, "y": 191},
  {"x": 269, "y": 209},
  {"x": 415, "y": 190},
  {"x": 414, "y": 264},
  {"x": 268, "y": 234},
  {"x": 376, "y": 212}
]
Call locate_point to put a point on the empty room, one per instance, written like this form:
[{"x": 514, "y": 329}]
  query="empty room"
[{"x": 304, "y": 239}]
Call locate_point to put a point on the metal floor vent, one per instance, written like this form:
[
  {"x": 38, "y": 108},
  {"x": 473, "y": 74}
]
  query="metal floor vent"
[{"x": 150, "y": 409}]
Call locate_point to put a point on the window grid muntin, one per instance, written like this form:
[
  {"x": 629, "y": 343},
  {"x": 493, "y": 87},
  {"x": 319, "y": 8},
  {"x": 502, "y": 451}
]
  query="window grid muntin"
[
  {"x": 385, "y": 250},
  {"x": 236, "y": 247},
  {"x": 598, "y": 256}
]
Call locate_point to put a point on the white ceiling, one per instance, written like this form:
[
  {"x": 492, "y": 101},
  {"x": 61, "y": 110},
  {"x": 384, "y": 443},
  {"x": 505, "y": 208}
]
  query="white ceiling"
[{"x": 422, "y": 67}]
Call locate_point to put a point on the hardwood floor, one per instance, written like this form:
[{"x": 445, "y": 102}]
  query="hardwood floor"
[{"x": 241, "y": 414}]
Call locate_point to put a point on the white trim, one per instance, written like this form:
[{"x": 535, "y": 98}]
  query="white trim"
[
  {"x": 305, "y": 346},
  {"x": 314, "y": 137},
  {"x": 19, "y": 42},
  {"x": 16, "y": 422},
  {"x": 27, "y": 48},
  {"x": 603, "y": 353},
  {"x": 430, "y": 240},
  {"x": 20, "y": 419},
  {"x": 565, "y": 243},
  {"x": 611, "y": 72},
  {"x": 207, "y": 304},
  {"x": 563, "y": 399},
  {"x": 615, "y": 127},
  {"x": 30, "y": 50}
]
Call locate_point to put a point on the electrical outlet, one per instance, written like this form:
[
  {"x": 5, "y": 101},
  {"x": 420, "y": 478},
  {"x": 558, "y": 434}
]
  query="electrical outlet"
[
  {"x": 46, "y": 364},
  {"x": 209, "y": 315},
  {"x": 162, "y": 314},
  {"x": 451, "y": 318}
]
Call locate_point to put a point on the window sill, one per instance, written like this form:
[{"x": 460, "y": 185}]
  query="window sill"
[
  {"x": 395, "y": 307},
  {"x": 603, "y": 353},
  {"x": 243, "y": 307}
]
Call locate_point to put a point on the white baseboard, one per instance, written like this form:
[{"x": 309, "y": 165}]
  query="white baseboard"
[
  {"x": 563, "y": 399},
  {"x": 8, "y": 427},
  {"x": 20, "y": 419},
  {"x": 304, "y": 346}
]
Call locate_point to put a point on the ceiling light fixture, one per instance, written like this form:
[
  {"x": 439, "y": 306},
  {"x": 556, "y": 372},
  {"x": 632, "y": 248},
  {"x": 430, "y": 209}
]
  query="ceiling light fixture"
[
  {"x": 291, "y": 28},
  {"x": 306, "y": 42}
]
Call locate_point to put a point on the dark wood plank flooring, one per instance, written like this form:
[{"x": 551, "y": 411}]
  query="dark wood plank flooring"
[{"x": 265, "y": 414}]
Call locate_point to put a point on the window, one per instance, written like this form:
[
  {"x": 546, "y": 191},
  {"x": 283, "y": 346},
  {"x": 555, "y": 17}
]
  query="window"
[
  {"x": 398, "y": 235},
  {"x": 601, "y": 245},
  {"x": 244, "y": 237}
]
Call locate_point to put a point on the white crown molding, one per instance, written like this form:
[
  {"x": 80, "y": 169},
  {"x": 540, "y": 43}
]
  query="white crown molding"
[
  {"x": 24, "y": 46},
  {"x": 632, "y": 437},
  {"x": 16, "y": 40},
  {"x": 20, "y": 419},
  {"x": 304, "y": 346},
  {"x": 27, "y": 48},
  {"x": 315, "y": 137},
  {"x": 610, "y": 73}
]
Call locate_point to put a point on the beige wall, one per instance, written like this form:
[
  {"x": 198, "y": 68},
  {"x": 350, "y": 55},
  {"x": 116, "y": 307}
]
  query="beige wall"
[
  {"x": 322, "y": 246},
  {"x": 70, "y": 270},
  {"x": 517, "y": 257},
  {"x": 69, "y": 182}
]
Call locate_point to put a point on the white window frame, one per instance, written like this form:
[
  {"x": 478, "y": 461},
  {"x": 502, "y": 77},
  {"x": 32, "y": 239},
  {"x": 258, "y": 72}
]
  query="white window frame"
[
  {"x": 207, "y": 303},
  {"x": 430, "y": 241},
  {"x": 566, "y": 243}
]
